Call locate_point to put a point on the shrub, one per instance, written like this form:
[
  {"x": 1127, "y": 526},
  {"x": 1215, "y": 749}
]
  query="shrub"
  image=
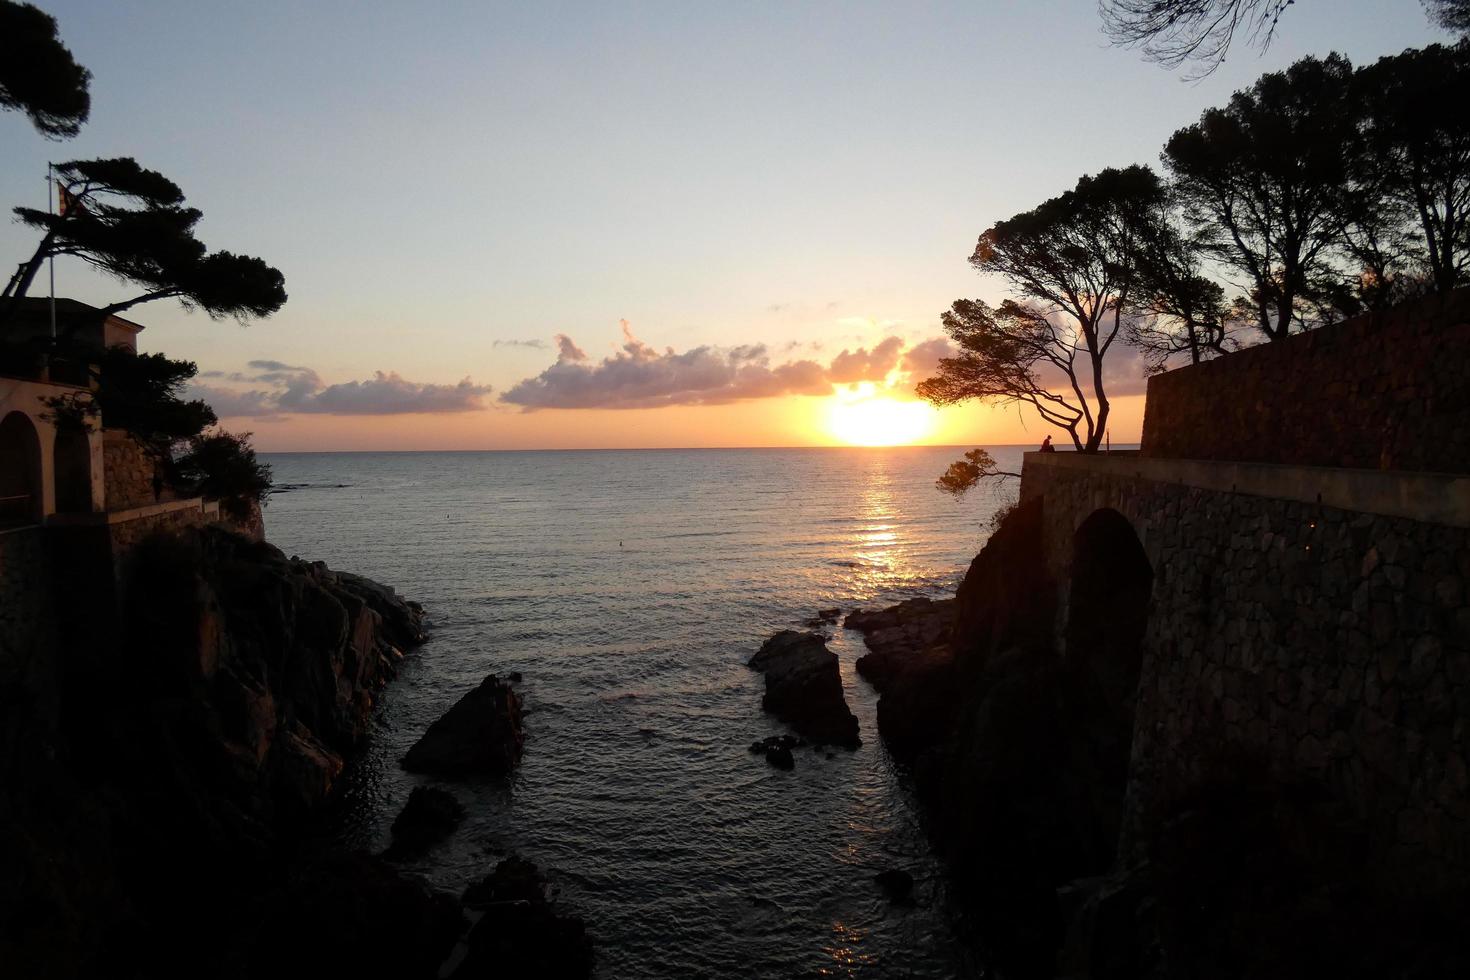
[{"x": 222, "y": 466}]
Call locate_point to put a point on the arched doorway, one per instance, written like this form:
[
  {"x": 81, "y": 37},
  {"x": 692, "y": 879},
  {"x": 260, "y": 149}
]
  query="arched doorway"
[
  {"x": 1108, "y": 605},
  {"x": 73, "y": 472},
  {"x": 20, "y": 471}
]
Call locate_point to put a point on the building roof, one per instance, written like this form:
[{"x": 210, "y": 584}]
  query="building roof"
[{"x": 69, "y": 312}]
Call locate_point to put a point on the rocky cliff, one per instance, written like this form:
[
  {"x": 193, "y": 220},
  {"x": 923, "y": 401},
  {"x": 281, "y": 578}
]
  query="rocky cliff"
[
  {"x": 1022, "y": 759},
  {"x": 163, "y": 820}
]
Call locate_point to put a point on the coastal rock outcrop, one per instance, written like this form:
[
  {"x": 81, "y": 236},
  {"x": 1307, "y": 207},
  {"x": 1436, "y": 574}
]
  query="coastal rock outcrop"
[
  {"x": 911, "y": 664},
  {"x": 520, "y": 932},
  {"x": 777, "y": 750},
  {"x": 163, "y": 803},
  {"x": 277, "y": 660},
  {"x": 429, "y": 816},
  {"x": 481, "y": 734},
  {"x": 804, "y": 687}
]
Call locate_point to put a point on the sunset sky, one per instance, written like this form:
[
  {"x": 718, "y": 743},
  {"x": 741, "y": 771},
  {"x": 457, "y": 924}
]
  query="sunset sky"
[{"x": 562, "y": 225}]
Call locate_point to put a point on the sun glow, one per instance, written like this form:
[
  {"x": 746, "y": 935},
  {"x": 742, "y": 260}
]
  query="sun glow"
[{"x": 863, "y": 418}]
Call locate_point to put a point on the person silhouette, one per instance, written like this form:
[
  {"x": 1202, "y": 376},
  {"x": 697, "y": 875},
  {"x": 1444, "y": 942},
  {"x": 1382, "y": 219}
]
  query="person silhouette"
[{"x": 1046, "y": 445}]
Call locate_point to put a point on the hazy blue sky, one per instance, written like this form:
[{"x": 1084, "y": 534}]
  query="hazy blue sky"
[{"x": 436, "y": 177}]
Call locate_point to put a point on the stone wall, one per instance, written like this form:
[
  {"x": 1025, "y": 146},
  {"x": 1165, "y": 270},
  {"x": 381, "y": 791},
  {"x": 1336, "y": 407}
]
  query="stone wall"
[
  {"x": 124, "y": 536},
  {"x": 30, "y": 671},
  {"x": 24, "y": 606},
  {"x": 129, "y": 471},
  {"x": 1380, "y": 391},
  {"x": 1330, "y": 645}
]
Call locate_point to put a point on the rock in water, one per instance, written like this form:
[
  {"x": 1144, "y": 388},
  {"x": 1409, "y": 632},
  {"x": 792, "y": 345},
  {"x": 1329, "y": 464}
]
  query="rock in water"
[
  {"x": 896, "y": 883},
  {"x": 804, "y": 687},
  {"x": 520, "y": 933},
  {"x": 429, "y": 816},
  {"x": 481, "y": 734},
  {"x": 911, "y": 664},
  {"x": 777, "y": 750}
]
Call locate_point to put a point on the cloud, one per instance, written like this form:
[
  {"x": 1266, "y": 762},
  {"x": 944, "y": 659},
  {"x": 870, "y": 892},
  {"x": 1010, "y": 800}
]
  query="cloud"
[
  {"x": 538, "y": 344},
  {"x": 568, "y": 351},
  {"x": 637, "y": 375},
  {"x": 285, "y": 389},
  {"x": 922, "y": 360},
  {"x": 851, "y": 367},
  {"x": 229, "y": 403}
]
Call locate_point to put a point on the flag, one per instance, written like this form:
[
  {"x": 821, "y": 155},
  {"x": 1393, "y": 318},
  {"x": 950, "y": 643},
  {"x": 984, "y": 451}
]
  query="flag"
[{"x": 65, "y": 201}]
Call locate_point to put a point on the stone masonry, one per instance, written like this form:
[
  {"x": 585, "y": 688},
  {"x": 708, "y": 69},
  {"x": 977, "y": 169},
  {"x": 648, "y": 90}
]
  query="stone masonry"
[
  {"x": 1334, "y": 646},
  {"x": 1383, "y": 391},
  {"x": 129, "y": 471}
]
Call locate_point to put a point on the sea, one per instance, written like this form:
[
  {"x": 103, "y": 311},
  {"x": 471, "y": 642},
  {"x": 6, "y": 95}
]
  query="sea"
[{"x": 628, "y": 589}]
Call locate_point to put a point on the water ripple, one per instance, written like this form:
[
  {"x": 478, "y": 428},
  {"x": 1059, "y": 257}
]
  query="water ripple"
[{"x": 629, "y": 589}]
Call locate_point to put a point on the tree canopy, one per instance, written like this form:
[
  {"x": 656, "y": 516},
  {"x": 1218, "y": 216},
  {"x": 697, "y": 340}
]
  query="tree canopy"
[
  {"x": 132, "y": 223},
  {"x": 1452, "y": 15},
  {"x": 223, "y": 466},
  {"x": 38, "y": 75},
  {"x": 1176, "y": 32},
  {"x": 1264, "y": 181},
  {"x": 1414, "y": 166},
  {"x": 1073, "y": 260},
  {"x": 1173, "y": 32}
]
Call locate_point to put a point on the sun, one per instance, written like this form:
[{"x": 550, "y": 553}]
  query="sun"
[{"x": 863, "y": 419}]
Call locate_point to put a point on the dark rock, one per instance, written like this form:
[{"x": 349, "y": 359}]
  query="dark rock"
[
  {"x": 520, "y": 933},
  {"x": 480, "y": 734},
  {"x": 347, "y": 914},
  {"x": 155, "y": 811},
  {"x": 429, "y": 816},
  {"x": 824, "y": 617},
  {"x": 777, "y": 750},
  {"x": 776, "y": 741},
  {"x": 804, "y": 687},
  {"x": 897, "y": 884},
  {"x": 266, "y": 668},
  {"x": 514, "y": 880},
  {"x": 910, "y": 662}
]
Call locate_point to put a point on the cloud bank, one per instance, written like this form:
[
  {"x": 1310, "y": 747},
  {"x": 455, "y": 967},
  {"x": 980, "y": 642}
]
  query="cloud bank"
[
  {"x": 638, "y": 375},
  {"x": 291, "y": 390}
]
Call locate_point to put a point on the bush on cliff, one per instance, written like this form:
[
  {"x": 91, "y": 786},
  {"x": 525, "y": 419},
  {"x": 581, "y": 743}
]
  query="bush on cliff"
[{"x": 223, "y": 466}]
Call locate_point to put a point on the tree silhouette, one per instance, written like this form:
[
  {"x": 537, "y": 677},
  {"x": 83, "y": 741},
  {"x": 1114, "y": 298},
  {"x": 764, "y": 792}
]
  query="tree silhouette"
[
  {"x": 1412, "y": 173},
  {"x": 141, "y": 393},
  {"x": 1264, "y": 182},
  {"x": 1175, "y": 307},
  {"x": 1172, "y": 32},
  {"x": 965, "y": 474},
  {"x": 223, "y": 466},
  {"x": 1452, "y": 15},
  {"x": 38, "y": 75},
  {"x": 1073, "y": 260},
  {"x": 133, "y": 224}
]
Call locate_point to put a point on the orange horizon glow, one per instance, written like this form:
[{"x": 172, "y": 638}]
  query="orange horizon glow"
[{"x": 794, "y": 421}]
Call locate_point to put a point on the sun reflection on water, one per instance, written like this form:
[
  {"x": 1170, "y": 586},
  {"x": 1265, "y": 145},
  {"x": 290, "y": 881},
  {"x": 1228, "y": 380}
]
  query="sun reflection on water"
[
  {"x": 877, "y": 555},
  {"x": 846, "y": 952}
]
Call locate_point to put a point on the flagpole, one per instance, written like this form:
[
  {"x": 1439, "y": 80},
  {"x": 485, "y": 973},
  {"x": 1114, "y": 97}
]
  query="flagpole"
[{"x": 51, "y": 259}]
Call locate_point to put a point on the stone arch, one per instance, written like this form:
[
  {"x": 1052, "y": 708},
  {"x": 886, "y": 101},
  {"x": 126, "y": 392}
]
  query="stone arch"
[
  {"x": 1108, "y": 603},
  {"x": 1107, "y": 615},
  {"x": 21, "y": 500},
  {"x": 73, "y": 471}
]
